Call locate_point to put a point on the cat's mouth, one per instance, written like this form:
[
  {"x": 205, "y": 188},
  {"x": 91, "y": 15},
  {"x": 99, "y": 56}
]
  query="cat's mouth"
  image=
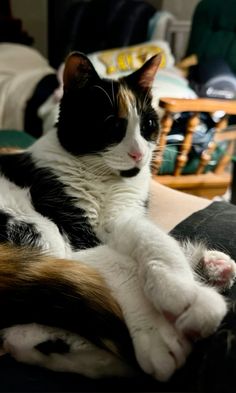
[
  {"x": 130, "y": 172},
  {"x": 124, "y": 167},
  {"x": 133, "y": 171}
]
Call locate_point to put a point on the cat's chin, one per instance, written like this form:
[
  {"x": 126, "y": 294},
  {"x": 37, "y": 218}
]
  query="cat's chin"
[{"x": 130, "y": 172}]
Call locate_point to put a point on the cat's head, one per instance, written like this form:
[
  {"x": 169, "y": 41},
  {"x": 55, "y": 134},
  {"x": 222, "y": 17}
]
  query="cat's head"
[{"x": 114, "y": 120}]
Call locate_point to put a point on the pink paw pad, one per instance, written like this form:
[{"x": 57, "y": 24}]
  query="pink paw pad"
[{"x": 220, "y": 269}]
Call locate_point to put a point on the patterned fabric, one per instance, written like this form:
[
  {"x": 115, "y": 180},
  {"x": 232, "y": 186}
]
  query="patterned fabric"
[{"x": 121, "y": 61}]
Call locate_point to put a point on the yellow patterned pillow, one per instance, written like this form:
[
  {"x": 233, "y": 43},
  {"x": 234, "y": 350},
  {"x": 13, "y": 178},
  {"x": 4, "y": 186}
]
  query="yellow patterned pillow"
[{"x": 117, "y": 62}]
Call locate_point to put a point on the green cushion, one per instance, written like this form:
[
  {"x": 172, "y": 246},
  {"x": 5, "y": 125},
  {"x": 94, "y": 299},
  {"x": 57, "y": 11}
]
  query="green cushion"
[
  {"x": 170, "y": 155},
  {"x": 12, "y": 138}
]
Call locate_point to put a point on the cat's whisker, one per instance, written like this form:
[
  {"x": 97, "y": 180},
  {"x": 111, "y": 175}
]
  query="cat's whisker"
[
  {"x": 106, "y": 93},
  {"x": 113, "y": 93},
  {"x": 108, "y": 117},
  {"x": 178, "y": 144},
  {"x": 163, "y": 160},
  {"x": 99, "y": 168},
  {"x": 145, "y": 100}
]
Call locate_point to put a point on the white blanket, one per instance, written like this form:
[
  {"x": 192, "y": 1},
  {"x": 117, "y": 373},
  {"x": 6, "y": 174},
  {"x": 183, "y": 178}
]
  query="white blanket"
[{"x": 21, "y": 68}]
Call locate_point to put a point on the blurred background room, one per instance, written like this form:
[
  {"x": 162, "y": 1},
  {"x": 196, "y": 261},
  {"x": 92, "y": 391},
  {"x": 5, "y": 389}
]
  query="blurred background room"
[{"x": 194, "y": 91}]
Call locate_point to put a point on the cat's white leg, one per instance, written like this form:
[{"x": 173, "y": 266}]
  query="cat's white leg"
[
  {"x": 165, "y": 273},
  {"x": 160, "y": 349},
  {"x": 60, "y": 350},
  {"x": 167, "y": 277}
]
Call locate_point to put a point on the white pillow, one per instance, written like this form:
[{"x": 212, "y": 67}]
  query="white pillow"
[{"x": 170, "y": 83}]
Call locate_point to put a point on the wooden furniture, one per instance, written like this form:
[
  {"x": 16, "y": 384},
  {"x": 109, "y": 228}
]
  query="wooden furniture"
[{"x": 202, "y": 184}]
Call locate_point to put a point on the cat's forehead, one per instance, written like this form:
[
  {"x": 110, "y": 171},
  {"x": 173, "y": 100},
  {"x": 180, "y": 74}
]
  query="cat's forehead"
[
  {"x": 121, "y": 96},
  {"x": 126, "y": 100}
]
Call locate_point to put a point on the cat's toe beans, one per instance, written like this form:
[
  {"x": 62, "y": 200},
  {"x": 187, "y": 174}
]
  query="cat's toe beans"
[{"x": 219, "y": 268}]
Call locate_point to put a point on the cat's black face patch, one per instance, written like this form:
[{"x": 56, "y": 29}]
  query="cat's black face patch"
[
  {"x": 94, "y": 112},
  {"x": 89, "y": 121},
  {"x": 91, "y": 118}
]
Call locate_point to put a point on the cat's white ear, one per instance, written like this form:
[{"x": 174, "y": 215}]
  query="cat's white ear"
[
  {"x": 79, "y": 71},
  {"x": 144, "y": 76}
]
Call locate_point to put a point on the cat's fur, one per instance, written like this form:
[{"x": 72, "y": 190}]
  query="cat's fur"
[{"x": 79, "y": 195}]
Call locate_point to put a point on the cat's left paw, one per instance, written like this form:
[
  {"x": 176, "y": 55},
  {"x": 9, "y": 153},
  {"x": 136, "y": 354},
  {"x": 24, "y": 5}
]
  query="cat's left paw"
[
  {"x": 219, "y": 269},
  {"x": 195, "y": 309},
  {"x": 205, "y": 315}
]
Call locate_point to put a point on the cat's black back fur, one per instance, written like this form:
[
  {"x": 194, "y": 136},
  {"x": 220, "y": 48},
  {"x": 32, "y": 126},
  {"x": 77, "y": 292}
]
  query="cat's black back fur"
[{"x": 49, "y": 198}]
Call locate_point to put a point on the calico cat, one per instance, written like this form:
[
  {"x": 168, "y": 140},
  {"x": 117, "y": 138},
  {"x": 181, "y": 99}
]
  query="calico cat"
[{"x": 88, "y": 283}]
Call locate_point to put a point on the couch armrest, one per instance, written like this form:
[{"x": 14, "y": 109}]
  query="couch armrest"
[{"x": 198, "y": 105}]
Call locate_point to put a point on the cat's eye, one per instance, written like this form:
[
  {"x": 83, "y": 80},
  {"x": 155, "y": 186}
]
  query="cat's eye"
[
  {"x": 150, "y": 123},
  {"x": 149, "y": 128}
]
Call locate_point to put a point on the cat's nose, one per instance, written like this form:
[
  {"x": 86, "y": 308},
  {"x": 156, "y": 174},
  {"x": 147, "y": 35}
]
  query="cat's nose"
[{"x": 136, "y": 155}]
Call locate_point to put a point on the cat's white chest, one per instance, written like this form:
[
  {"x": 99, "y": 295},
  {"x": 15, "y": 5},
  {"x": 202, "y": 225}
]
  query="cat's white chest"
[
  {"x": 95, "y": 188},
  {"x": 104, "y": 200},
  {"x": 118, "y": 199}
]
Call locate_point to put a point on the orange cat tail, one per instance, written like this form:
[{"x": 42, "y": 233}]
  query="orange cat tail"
[{"x": 61, "y": 293}]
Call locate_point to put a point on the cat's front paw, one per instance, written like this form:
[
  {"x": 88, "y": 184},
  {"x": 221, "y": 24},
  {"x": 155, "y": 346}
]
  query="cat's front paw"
[
  {"x": 205, "y": 314},
  {"x": 160, "y": 349},
  {"x": 219, "y": 269},
  {"x": 195, "y": 309}
]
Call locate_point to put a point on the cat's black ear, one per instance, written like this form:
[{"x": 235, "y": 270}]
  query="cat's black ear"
[
  {"x": 145, "y": 75},
  {"x": 79, "y": 71}
]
